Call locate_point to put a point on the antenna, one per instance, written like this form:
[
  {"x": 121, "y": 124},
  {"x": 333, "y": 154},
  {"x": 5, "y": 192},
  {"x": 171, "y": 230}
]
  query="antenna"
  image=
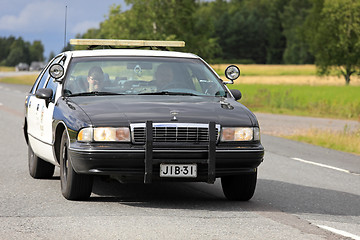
[{"x": 65, "y": 26}]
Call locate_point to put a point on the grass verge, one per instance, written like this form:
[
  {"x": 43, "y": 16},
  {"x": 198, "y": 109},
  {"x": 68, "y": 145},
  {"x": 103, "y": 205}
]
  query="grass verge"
[
  {"x": 23, "y": 79},
  {"x": 269, "y": 70},
  {"x": 340, "y": 102},
  {"x": 7, "y": 69},
  {"x": 346, "y": 141}
]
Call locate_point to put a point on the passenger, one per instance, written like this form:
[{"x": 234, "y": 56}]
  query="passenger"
[
  {"x": 164, "y": 76},
  {"x": 95, "y": 79}
]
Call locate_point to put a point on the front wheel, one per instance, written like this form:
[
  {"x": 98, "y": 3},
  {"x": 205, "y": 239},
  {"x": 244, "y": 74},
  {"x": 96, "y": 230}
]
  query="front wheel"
[
  {"x": 74, "y": 186},
  {"x": 38, "y": 168},
  {"x": 240, "y": 187}
]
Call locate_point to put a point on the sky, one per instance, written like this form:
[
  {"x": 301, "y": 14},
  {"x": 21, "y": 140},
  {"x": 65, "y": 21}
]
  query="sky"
[{"x": 44, "y": 20}]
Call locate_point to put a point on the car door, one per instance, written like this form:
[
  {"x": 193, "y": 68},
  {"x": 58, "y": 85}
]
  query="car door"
[{"x": 40, "y": 118}]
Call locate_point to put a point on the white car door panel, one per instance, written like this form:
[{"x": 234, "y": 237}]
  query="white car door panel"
[
  {"x": 40, "y": 118},
  {"x": 40, "y": 128}
]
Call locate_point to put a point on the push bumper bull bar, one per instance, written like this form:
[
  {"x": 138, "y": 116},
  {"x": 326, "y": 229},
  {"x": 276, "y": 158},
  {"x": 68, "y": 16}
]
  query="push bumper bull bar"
[{"x": 149, "y": 147}]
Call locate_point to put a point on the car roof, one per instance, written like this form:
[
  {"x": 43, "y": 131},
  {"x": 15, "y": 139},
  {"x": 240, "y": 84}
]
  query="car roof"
[{"x": 130, "y": 52}]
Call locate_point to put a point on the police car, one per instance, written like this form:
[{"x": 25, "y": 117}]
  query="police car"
[{"x": 139, "y": 116}]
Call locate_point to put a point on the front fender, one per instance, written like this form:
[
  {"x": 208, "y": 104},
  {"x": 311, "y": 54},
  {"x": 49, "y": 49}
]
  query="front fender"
[{"x": 67, "y": 117}]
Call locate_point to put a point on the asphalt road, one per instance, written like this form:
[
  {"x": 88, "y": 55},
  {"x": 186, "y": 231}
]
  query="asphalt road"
[{"x": 303, "y": 192}]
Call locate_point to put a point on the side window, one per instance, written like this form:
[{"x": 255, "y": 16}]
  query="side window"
[
  {"x": 33, "y": 89},
  {"x": 52, "y": 85},
  {"x": 43, "y": 80}
]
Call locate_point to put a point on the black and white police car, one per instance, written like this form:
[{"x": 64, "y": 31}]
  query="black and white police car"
[{"x": 139, "y": 116}]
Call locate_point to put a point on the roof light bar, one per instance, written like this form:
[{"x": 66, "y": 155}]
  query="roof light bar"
[{"x": 128, "y": 43}]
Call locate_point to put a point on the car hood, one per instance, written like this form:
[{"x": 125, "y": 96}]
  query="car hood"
[{"x": 119, "y": 110}]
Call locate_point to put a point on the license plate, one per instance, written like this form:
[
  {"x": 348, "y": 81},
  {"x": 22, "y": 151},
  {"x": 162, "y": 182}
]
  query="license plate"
[{"x": 178, "y": 170}]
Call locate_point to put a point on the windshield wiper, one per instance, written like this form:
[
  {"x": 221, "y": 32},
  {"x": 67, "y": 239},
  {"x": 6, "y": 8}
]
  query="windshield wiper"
[
  {"x": 94, "y": 93},
  {"x": 169, "y": 93}
]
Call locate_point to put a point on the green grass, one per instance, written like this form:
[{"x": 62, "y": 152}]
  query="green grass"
[
  {"x": 7, "y": 69},
  {"x": 341, "y": 102},
  {"x": 24, "y": 79},
  {"x": 274, "y": 70},
  {"x": 346, "y": 141}
]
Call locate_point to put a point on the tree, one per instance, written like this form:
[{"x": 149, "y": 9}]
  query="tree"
[
  {"x": 19, "y": 52},
  {"x": 259, "y": 31},
  {"x": 334, "y": 36},
  {"x": 276, "y": 41},
  {"x": 14, "y": 50},
  {"x": 255, "y": 30},
  {"x": 160, "y": 20},
  {"x": 238, "y": 27},
  {"x": 68, "y": 47},
  {"x": 5, "y": 48},
  {"x": 15, "y": 56},
  {"x": 51, "y": 55},
  {"x": 293, "y": 18},
  {"x": 246, "y": 36},
  {"x": 37, "y": 51}
]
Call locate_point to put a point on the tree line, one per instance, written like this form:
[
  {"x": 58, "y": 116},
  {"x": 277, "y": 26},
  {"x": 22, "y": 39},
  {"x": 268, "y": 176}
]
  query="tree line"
[
  {"x": 252, "y": 31},
  {"x": 324, "y": 32},
  {"x": 15, "y": 50}
]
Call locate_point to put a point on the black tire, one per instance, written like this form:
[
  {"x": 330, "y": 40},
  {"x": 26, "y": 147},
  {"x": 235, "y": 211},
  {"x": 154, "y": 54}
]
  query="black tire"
[
  {"x": 74, "y": 186},
  {"x": 39, "y": 168},
  {"x": 240, "y": 187}
]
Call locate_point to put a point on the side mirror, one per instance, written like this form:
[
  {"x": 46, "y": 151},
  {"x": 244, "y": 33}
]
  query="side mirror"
[
  {"x": 44, "y": 93},
  {"x": 56, "y": 71},
  {"x": 236, "y": 93},
  {"x": 232, "y": 72}
]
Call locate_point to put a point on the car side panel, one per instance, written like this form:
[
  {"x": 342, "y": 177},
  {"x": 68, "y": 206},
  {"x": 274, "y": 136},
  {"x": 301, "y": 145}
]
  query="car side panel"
[
  {"x": 40, "y": 128},
  {"x": 42, "y": 150}
]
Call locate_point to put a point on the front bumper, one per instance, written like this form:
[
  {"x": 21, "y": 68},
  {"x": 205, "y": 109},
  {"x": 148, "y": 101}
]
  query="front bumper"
[{"x": 142, "y": 162}]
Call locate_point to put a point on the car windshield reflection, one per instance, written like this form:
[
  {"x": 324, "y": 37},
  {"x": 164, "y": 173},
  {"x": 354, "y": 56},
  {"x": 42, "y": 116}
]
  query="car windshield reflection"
[{"x": 141, "y": 75}]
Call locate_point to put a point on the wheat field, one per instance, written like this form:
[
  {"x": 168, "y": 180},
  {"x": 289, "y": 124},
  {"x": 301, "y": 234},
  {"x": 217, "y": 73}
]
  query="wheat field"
[
  {"x": 285, "y": 74},
  {"x": 298, "y": 80}
]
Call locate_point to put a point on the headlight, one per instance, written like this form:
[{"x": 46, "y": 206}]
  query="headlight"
[
  {"x": 240, "y": 134},
  {"x": 85, "y": 135},
  {"x": 104, "y": 134}
]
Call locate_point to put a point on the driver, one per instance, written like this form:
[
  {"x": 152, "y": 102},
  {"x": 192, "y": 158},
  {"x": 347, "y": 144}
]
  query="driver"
[
  {"x": 164, "y": 76},
  {"x": 95, "y": 78}
]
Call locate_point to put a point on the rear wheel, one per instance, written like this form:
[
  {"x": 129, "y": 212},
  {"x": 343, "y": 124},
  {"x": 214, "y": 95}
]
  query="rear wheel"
[
  {"x": 74, "y": 186},
  {"x": 39, "y": 168},
  {"x": 240, "y": 187}
]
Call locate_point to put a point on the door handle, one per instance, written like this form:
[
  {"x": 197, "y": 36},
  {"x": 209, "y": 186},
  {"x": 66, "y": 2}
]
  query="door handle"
[{"x": 37, "y": 108}]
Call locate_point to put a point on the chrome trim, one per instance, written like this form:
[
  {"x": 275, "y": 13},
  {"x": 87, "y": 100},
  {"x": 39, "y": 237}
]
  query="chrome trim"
[
  {"x": 132, "y": 151},
  {"x": 240, "y": 150},
  {"x": 177, "y": 125},
  {"x": 203, "y": 125},
  {"x": 106, "y": 150},
  {"x": 165, "y": 150}
]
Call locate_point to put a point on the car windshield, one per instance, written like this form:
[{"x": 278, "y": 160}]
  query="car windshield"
[{"x": 141, "y": 76}]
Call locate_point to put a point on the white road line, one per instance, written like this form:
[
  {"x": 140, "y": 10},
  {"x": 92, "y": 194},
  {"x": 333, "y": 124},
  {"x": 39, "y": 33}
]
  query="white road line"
[
  {"x": 340, "y": 232},
  {"x": 324, "y": 166}
]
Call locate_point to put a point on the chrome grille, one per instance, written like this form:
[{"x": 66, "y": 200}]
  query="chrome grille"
[{"x": 173, "y": 132}]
